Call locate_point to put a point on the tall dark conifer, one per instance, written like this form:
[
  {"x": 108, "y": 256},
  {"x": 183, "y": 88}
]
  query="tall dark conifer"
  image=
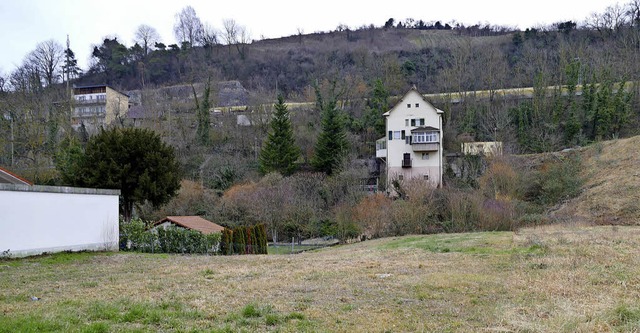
[
  {"x": 332, "y": 145},
  {"x": 279, "y": 152}
]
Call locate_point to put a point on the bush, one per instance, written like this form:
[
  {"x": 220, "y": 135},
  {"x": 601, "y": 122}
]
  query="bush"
[{"x": 556, "y": 181}]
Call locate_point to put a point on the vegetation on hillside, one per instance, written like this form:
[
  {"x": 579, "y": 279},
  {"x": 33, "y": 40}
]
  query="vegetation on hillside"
[{"x": 583, "y": 80}]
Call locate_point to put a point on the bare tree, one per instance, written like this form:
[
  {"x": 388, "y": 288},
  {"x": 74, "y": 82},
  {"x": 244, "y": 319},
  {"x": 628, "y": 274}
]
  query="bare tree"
[
  {"x": 235, "y": 34},
  {"x": 46, "y": 58},
  {"x": 146, "y": 36},
  {"x": 209, "y": 36},
  {"x": 188, "y": 27}
]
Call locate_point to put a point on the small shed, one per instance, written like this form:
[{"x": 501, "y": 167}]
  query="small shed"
[{"x": 189, "y": 222}]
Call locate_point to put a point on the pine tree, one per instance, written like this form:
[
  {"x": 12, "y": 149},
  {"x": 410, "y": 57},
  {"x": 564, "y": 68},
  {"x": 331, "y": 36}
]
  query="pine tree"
[
  {"x": 280, "y": 152},
  {"x": 332, "y": 145}
]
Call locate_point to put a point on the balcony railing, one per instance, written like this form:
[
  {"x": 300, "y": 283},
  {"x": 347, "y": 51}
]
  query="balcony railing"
[
  {"x": 431, "y": 146},
  {"x": 91, "y": 101},
  {"x": 381, "y": 148}
]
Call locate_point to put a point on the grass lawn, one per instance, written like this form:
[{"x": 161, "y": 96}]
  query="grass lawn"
[{"x": 551, "y": 279}]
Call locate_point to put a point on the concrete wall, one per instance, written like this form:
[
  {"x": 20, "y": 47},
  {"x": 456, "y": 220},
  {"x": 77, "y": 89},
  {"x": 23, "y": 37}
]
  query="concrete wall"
[{"x": 37, "y": 219}]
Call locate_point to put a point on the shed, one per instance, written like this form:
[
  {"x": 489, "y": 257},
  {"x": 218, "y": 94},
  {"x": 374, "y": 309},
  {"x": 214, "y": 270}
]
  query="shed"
[{"x": 190, "y": 222}]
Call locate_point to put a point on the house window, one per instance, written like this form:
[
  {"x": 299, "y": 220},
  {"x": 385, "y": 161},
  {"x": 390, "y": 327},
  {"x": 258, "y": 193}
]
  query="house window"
[
  {"x": 402, "y": 135},
  {"x": 413, "y": 122},
  {"x": 406, "y": 122},
  {"x": 409, "y": 105},
  {"x": 390, "y": 135},
  {"x": 417, "y": 105},
  {"x": 425, "y": 156},
  {"x": 425, "y": 137},
  {"x": 421, "y": 121},
  {"x": 400, "y": 177},
  {"x": 426, "y": 177},
  {"x": 397, "y": 135}
]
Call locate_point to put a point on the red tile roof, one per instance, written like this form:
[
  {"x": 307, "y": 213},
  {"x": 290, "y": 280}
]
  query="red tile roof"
[
  {"x": 192, "y": 222},
  {"x": 7, "y": 176}
]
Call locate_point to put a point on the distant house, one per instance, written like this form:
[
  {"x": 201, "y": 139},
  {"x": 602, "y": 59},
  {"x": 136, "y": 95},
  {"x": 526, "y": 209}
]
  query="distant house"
[
  {"x": 189, "y": 222},
  {"x": 97, "y": 106},
  {"x": 137, "y": 115},
  {"x": 412, "y": 148},
  {"x": 488, "y": 148},
  {"x": 7, "y": 177}
]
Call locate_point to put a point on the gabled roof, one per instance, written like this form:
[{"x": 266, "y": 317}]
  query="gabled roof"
[
  {"x": 192, "y": 222},
  {"x": 8, "y": 177},
  {"x": 413, "y": 89}
]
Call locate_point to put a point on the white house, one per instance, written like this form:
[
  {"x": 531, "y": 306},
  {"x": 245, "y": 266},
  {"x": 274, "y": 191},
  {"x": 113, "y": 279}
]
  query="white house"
[{"x": 412, "y": 148}]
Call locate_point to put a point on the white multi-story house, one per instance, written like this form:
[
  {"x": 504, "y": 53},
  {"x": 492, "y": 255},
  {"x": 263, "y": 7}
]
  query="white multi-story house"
[
  {"x": 412, "y": 148},
  {"x": 97, "y": 106}
]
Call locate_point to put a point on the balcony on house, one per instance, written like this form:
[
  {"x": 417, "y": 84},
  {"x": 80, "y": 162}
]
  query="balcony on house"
[
  {"x": 381, "y": 148},
  {"x": 406, "y": 160},
  {"x": 425, "y": 139}
]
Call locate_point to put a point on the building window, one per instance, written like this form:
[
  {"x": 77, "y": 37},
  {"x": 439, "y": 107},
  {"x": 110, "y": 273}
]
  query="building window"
[
  {"x": 406, "y": 122},
  {"x": 413, "y": 122},
  {"x": 425, "y": 137},
  {"x": 417, "y": 105},
  {"x": 425, "y": 156},
  {"x": 400, "y": 177},
  {"x": 421, "y": 121},
  {"x": 409, "y": 105},
  {"x": 397, "y": 135},
  {"x": 426, "y": 177}
]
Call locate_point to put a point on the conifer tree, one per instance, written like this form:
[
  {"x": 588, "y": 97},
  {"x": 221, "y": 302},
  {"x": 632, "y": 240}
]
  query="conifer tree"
[
  {"x": 280, "y": 152},
  {"x": 331, "y": 147}
]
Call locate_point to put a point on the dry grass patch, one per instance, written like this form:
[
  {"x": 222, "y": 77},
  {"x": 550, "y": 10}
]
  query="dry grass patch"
[
  {"x": 543, "y": 280},
  {"x": 611, "y": 193}
]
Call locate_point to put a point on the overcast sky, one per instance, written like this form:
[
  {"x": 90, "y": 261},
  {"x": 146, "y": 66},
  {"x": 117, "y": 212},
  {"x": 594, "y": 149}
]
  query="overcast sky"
[{"x": 25, "y": 23}]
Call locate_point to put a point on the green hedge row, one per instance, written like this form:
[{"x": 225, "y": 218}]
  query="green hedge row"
[
  {"x": 135, "y": 236},
  {"x": 244, "y": 240}
]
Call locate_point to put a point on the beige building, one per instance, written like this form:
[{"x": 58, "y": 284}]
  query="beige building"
[
  {"x": 97, "y": 107},
  {"x": 412, "y": 148},
  {"x": 488, "y": 148}
]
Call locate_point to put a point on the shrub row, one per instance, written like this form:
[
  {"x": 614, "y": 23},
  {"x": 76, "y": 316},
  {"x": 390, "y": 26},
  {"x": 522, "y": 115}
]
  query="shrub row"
[
  {"x": 135, "y": 236},
  {"x": 244, "y": 240}
]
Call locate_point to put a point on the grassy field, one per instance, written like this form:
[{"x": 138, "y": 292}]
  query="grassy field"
[{"x": 551, "y": 279}]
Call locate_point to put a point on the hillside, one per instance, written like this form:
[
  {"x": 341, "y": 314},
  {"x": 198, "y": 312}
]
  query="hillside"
[
  {"x": 548, "y": 279},
  {"x": 611, "y": 193}
]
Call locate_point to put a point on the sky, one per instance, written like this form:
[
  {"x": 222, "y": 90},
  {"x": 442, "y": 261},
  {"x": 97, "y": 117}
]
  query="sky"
[{"x": 25, "y": 23}]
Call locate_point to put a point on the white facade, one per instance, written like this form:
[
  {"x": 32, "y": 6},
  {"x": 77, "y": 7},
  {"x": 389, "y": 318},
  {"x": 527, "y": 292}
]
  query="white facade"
[
  {"x": 412, "y": 146},
  {"x": 37, "y": 219}
]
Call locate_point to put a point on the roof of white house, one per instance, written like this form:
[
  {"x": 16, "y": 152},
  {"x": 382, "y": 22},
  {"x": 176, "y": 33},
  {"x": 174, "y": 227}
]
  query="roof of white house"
[{"x": 412, "y": 90}]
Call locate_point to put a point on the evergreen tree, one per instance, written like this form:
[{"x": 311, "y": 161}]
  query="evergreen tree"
[
  {"x": 279, "y": 152},
  {"x": 332, "y": 145},
  {"x": 70, "y": 68},
  {"x": 133, "y": 160},
  {"x": 377, "y": 104}
]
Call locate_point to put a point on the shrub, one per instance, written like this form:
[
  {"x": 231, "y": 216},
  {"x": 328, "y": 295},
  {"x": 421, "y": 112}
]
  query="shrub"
[{"x": 556, "y": 181}]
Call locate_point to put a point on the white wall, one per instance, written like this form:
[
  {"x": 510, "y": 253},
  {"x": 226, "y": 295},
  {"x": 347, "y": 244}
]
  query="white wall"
[{"x": 36, "y": 219}]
